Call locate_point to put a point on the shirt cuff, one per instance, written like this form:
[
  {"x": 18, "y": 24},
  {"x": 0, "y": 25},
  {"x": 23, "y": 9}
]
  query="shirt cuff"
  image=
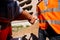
[{"x": 20, "y": 9}]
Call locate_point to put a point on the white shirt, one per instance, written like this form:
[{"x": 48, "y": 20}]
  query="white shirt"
[{"x": 20, "y": 8}]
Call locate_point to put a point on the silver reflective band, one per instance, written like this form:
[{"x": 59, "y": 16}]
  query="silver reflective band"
[
  {"x": 53, "y": 21},
  {"x": 56, "y": 9},
  {"x": 45, "y": 2},
  {"x": 58, "y": 0},
  {"x": 42, "y": 21},
  {"x": 50, "y": 21},
  {"x": 47, "y": 10},
  {"x": 51, "y": 10}
]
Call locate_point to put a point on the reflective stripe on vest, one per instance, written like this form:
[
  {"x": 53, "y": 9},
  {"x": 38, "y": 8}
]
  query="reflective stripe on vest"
[
  {"x": 42, "y": 21},
  {"x": 51, "y": 9},
  {"x": 53, "y": 22},
  {"x": 45, "y": 2},
  {"x": 50, "y": 21}
]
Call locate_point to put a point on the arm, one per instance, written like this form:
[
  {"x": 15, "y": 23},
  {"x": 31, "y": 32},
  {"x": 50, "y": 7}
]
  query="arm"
[
  {"x": 25, "y": 15},
  {"x": 29, "y": 17}
]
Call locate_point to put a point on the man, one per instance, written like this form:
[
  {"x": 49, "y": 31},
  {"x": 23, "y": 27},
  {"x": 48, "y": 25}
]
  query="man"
[
  {"x": 9, "y": 10},
  {"x": 49, "y": 20}
]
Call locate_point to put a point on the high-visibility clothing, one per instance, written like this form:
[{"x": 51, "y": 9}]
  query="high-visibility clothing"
[
  {"x": 42, "y": 24},
  {"x": 50, "y": 10}
]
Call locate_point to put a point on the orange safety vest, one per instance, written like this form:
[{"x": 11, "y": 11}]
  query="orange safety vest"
[
  {"x": 50, "y": 10},
  {"x": 42, "y": 23}
]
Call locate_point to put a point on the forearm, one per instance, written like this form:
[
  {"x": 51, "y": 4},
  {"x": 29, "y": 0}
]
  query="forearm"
[{"x": 26, "y": 15}]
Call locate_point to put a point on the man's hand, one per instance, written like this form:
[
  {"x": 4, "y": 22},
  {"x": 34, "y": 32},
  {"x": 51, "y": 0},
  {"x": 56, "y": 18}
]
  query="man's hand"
[
  {"x": 29, "y": 17},
  {"x": 32, "y": 20}
]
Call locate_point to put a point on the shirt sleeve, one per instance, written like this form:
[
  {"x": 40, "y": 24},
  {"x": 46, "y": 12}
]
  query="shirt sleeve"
[{"x": 20, "y": 9}]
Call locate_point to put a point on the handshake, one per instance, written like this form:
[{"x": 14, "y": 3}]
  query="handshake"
[
  {"x": 29, "y": 17},
  {"x": 32, "y": 20}
]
